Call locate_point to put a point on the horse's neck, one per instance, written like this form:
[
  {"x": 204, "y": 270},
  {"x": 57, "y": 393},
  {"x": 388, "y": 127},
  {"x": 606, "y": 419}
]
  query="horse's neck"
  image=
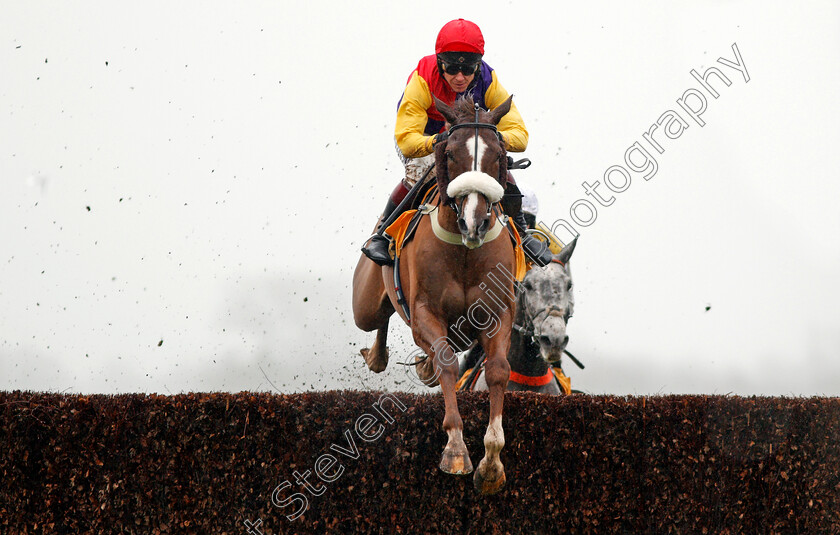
[{"x": 524, "y": 356}]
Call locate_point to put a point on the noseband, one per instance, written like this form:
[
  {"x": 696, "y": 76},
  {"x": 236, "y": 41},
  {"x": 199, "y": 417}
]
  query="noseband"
[{"x": 533, "y": 332}]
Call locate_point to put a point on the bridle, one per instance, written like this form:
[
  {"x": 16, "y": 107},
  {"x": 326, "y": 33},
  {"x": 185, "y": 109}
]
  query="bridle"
[
  {"x": 474, "y": 125},
  {"x": 530, "y": 332},
  {"x": 533, "y": 332},
  {"x": 547, "y": 310}
]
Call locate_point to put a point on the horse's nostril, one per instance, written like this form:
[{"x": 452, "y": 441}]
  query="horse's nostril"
[
  {"x": 462, "y": 224},
  {"x": 484, "y": 225},
  {"x": 566, "y": 339},
  {"x": 545, "y": 340}
]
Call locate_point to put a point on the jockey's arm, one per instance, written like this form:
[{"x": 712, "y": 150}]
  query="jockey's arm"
[
  {"x": 412, "y": 117},
  {"x": 512, "y": 127}
]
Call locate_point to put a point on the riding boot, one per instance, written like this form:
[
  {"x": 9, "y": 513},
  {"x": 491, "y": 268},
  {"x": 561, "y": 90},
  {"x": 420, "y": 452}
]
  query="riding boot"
[
  {"x": 379, "y": 245},
  {"x": 535, "y": 249}
]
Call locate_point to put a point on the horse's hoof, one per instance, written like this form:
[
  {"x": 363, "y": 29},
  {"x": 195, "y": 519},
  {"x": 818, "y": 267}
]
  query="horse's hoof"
[
  {"x": 456, "y": 463},
  {"x": 426, "y": 371},
  {"x": 375, "y": 363},
  {"x": 487, "y": 486}
]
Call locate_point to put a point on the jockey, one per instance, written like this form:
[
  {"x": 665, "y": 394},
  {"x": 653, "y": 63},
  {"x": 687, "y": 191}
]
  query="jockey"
[{"x": 455, "y": 70}]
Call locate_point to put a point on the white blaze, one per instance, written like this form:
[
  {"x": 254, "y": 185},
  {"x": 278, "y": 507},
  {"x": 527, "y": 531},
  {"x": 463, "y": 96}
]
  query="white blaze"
[
  {"x": 472, "y": 184},
  {"x": 482, "y": 146},
  {"x": 469, "y": 209}
]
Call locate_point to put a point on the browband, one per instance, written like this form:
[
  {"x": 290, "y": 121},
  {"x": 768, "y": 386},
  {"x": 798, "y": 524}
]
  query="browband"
[{"x": 475, "y": 125}]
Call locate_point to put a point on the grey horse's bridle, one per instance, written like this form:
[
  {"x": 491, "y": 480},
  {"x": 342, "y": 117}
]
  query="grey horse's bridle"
[{"x": 533, "y": 333}]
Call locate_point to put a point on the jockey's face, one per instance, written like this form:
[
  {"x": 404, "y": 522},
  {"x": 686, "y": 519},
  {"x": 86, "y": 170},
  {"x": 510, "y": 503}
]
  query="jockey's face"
[{"x": 458, "y": 82}]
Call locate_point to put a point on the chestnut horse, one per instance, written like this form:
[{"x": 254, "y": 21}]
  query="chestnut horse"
[{"x": 445, "y": 283}]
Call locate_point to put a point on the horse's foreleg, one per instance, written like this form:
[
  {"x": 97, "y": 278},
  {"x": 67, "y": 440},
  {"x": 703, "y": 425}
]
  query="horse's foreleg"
[
  {"x": 430, "y": 334},
  {"x": 490, "y": 476}
]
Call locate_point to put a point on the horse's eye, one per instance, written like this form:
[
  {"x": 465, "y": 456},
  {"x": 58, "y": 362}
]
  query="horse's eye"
[
  {"x": 449, "y": 156},
  {"x": 569, "y": 287},
  {"x": 528, "y": 286}
]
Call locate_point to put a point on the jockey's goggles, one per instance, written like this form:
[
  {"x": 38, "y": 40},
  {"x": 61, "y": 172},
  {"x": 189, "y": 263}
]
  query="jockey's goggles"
[{"x": 453, "y": 69}]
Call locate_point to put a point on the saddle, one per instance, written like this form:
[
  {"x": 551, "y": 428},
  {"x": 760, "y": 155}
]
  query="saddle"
[{"x": 402, "y": 230}]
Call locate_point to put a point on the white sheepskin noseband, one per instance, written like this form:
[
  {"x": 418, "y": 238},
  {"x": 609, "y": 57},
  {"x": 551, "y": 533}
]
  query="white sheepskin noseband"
[{"x": 476, "y": 181}]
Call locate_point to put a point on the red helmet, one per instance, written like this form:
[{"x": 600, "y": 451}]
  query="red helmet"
[{"x": 460, "y": 36}]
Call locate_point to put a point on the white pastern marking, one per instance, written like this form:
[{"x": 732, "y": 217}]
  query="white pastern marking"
[
  {"x": 482, "y": 146},
  {"x": 455, "y": 435},
  {"x": 494, "y": 439}
]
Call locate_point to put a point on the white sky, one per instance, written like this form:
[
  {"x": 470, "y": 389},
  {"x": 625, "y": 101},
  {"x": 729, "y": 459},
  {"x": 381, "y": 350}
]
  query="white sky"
[{"x": 234, "y": 157}]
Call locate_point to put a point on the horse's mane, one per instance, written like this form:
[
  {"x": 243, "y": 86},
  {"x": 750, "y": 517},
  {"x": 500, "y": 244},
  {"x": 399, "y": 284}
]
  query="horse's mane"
[{"x": 464, "y": 108}]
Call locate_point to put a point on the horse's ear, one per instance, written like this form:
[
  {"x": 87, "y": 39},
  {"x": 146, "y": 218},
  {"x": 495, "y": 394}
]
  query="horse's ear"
[
  {"x": 447, "y": 112},
  {"x": 566, "y": 253},
  {"x": 501, "y": 110}
]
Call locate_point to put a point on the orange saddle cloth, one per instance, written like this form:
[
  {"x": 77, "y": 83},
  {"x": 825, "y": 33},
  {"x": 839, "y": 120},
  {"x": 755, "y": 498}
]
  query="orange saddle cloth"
[{"x": 398, "y": 231}]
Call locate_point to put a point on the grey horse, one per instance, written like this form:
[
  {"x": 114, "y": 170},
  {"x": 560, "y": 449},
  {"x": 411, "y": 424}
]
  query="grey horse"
[{"x": 544, "y": 304}]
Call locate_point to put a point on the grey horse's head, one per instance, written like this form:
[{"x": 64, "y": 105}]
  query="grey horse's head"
[{"x": 547, "y": 303}]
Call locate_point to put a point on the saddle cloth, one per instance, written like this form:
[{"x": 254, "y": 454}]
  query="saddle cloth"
[{"x": 554, "y": 244}]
